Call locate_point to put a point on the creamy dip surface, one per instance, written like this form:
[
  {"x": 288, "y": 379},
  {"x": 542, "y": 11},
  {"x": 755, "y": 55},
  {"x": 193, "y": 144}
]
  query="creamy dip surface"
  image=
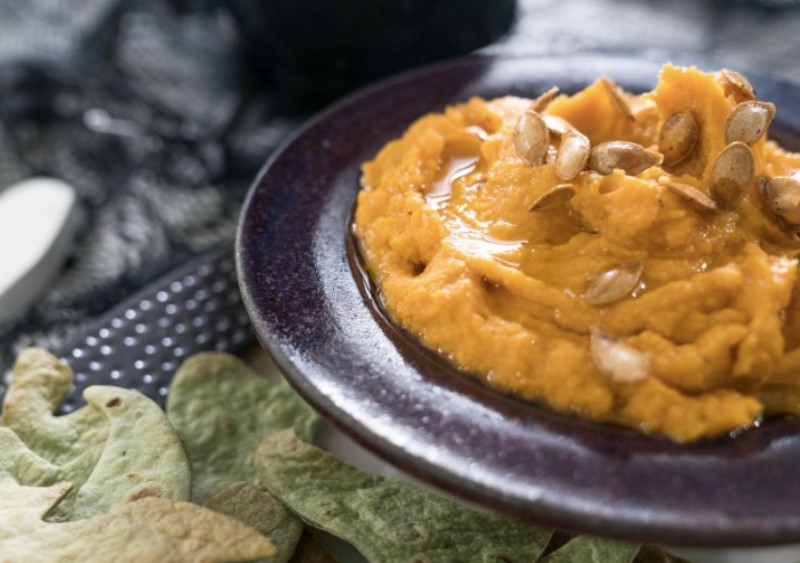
[{"x": 628, "y": 259}]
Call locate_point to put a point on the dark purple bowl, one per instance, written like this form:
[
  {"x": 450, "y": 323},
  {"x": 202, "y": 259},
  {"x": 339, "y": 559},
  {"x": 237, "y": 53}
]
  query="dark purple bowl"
[{"x": 314, "y": 316}]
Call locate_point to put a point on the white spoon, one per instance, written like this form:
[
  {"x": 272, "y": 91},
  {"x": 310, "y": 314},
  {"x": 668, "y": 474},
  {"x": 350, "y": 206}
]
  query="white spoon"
[{"x": 38, "y": 221}]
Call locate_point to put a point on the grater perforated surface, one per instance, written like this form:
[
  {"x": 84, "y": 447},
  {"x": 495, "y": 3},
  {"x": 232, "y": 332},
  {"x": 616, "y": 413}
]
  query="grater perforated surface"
[{"x": 140, "y": 343}]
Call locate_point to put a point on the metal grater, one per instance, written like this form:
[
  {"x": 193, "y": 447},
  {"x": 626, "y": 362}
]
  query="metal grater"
[{"x": 140, "y": 343}]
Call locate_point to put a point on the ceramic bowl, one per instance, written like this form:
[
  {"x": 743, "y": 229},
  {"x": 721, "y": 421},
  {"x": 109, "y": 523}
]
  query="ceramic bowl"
[{"x": 312, "y": 310}]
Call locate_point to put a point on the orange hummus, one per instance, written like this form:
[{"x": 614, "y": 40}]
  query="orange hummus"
[{"x": 626, "y": 300}]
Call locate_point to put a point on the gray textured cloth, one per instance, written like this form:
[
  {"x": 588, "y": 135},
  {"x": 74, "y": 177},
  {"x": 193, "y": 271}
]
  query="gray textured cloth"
[
  {"x": 147, "y": 112},
  {"x": 146, "y": 108},
  {"x": 743, "y": 35}
]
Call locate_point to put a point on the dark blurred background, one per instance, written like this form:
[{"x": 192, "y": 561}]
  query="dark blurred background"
[{"x": 160, "y": 112}]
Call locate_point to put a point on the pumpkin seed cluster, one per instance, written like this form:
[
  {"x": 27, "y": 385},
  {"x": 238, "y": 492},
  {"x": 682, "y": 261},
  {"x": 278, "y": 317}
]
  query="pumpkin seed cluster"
[
  {"x": 534, "y": 136},
  {"x": 543, "y": 139},
  {"x": 732, "y": 172}
]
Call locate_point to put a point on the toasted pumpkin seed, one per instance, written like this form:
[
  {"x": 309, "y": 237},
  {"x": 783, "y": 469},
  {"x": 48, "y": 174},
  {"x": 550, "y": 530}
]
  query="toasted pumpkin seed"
[
  {"x": 554, "y": 198},
  {"x": 573, "y": 153},
  {"x": 781, "y": 195},
  {"x": 618, "y": 99},
  {"x": 749, "y": 121},
  {"x": 689, "y": 193},
  {"x": 614, "y": 284},
  {"x": 617, "y": 360},
  {"x": 540, "y": 104},
  {"x": 531, "y": 138},
  {"x": 678, "y": 137},
  {"x": 731, "y": 174},
  {"x": 735, "y": 84},
  {"x": 625, "y": 155},
  {"x": 557, "y": 126}
]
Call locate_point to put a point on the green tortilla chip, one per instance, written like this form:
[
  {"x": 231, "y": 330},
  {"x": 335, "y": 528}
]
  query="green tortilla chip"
[
  {"x": 222, "y": 409},
  {"x": 143, "y": 456},
  {"x": 19, "y": 462},
  {"x": 22, "y": 508},
  {"x": 151, "y": 529},
  {"x": 263, "y": 512},
  {"x": 387, "y": 520},
  {"x": 39, "y": 385},
  {"x": 589, "y": 549},
  {"x": 125, "y": 449}
]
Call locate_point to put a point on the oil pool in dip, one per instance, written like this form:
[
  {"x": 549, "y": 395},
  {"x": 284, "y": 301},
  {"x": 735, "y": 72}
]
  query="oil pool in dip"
[{"x": 625, "y": 258}]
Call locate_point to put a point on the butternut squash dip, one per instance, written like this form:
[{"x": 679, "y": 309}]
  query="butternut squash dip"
[{"x": 629, "y": 259}]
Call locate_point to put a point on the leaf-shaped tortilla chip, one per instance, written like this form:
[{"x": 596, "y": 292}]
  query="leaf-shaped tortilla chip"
[
  {"x": 123, "y": 448},
  {"x": 589, "y": 549},
  {"x": 151, "y": 529},
  {"x": 263, "y": 512},
  {"x": 222, "y": 409},
  {"x": 19, "y": 462},
  {"x": 39, "y": 386},
  {"x": 143, "y": 456},
  {"x": 22, "y": 508},
  {"x": 387, "y": 520}
]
